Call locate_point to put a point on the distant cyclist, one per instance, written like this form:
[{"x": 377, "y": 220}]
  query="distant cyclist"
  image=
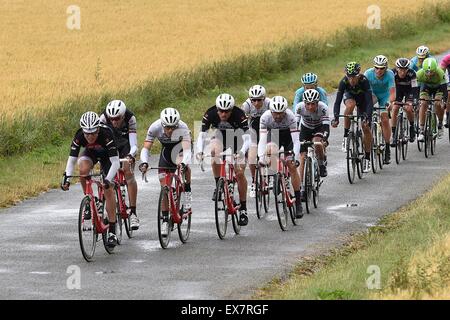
[
  {"x": 281, "y": 123},
  {"x": 314, "y": 126},
  {"x": 445, "y": 65},
  {"x": 355, "y": 89},
  {"x": 382, "y": 82},
  {"x": 310, "y": 81},
  {"x": 254, "y": 107},
  {"x": 433, "y": 83},
  {"x": 99, "y": 146},
  {"x": 232, "y": 131},
  {"x": 422, "y": 53},
  {"x": 407, "y": 90},
  {"x": 175, "y": 138},
  {"x": 123, "y": 123}
]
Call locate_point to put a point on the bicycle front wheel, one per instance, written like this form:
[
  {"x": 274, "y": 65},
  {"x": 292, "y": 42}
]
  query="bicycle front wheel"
[
  {"x": 316, "y": 187},
  {"x": 434, "y": 133},
  {"x": 87, "y": 233},
  {"x": 259, "y": 193},
  {"x": 374, "y": 149},
  {"x": 235, "y": 216},
  {"x": 351, "y": 161},
  {"x": 398, "y": 139},
  {"x": 184, "y": 227},
  {"x": 221, "y": 209},
  {"x": 406, "y": 137},
  {"x": 308, "y": 184},
  {"x": 428, "y": 134},
  {"x": 280, "y": 201},
  {"x": 164, "y": 223},
  {"x": 127, "y": 221},
  {"x": 267, "y": 189}
]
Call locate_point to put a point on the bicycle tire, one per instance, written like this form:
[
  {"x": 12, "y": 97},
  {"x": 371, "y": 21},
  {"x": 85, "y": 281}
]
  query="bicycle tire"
[
  {"x": 359, "y": 154},
  {"x": 164, "y": 195},
  {"x": 235, "y": 216},
  {"x": 259, "y": 193},
  {"x": 184, "y": 227},
  {"x": 374, "y": 149},
  {"x": 308, "y": 184},
  {"x": 427, "y": 134},
  {"x": 88, "y": 240},
  {"x": 381, "y": 147},
  {"x": 316, "y": 187},
  {"x": 267, "y": 191},
  {"x": 221, "y": 209},
  {"x": 406, "y": 137},
  {"x": 434, "y": 133},
  {"x": 280, "y": 201},
  {"x": 398, "y": 139},
  {"x": 127, "y": 221},
  {"x": 351, "y": 168}
]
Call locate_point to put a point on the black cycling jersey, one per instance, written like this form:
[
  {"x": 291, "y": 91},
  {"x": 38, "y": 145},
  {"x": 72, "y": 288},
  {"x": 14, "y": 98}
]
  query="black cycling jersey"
[
  {"x": 237, "y": 120},
  {"x": 361, "y": 92},
  {"x": 105, "y": 143},
  {"x": 122, "y": 134},
  {"x": 404, "y": 87}
]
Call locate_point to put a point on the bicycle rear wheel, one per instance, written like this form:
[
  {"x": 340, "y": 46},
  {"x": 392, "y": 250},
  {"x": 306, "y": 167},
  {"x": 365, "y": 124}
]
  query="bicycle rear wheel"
[
  {"x": 351, "y": 162},
  {"x": 127, "y": 221},
  {"x": 374, "y": 149},
  {"x": 316, "y": 187},
  {"x": 406, "y": 137},
  {"x": 428, "y": 134},
  {"x": 434, "y": 133},
  {"x": 308, "y": 184},
  {"x": 417, "y": 128},
  {"x": 87, "y": 233},
  {"x": 267, "y": 189},
  {"x": 235, "y": 217},
  {"x": 184, "y": 227},
  {"x": 398, "y": 138},
  {"x": 359, "y": 154},
  {"x": 164, "y": 197},
  {"x": 381, "y": 147},
  {"x": 259, "y": 193},
  {"x": 221, "y": 209},
  {"x": 280, "y": 201}
]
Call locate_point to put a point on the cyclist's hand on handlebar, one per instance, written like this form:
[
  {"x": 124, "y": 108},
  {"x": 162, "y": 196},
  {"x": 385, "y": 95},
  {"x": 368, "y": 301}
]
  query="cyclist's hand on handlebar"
[
  {"x": 106, "y": 184},
  {"x": 335, "y": 122},
  {"x": 65, "y": 184},
  {"x": 183, "y": 167},
  {"x": 239, "y": 155},
  {"x": 131, "y": 159},
  {"x": 143, "y": 167},
  {"x": 199, "y": 156}
]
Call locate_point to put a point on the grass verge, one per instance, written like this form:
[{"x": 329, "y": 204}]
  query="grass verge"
[
  {"x": 52, "y": 125},
  {"x": 410, "y": 247}
]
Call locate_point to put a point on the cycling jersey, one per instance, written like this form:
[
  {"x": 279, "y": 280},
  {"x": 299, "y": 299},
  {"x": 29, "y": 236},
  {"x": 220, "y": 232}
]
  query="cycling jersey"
[
  {"x": 414, "y": 63},
  {"x": 299, "y": 96},
  {"x": 283, "y": 133},
  {"x": 104, "y": 149},
  {"x": 445, "y": 62},
  {"x": 407, "y": 87},
  {"x": 361, "y": 93},
  {"x": 236, "y": 122},
  {"x": 435, "y": 81},
  {"x": 125, "y": 136},
  {"x": 381, "y": 87},
  {"x": 313, "y": 120},
  {"x": 254, "y": 115},
  {"x": 171, "y": 146}
]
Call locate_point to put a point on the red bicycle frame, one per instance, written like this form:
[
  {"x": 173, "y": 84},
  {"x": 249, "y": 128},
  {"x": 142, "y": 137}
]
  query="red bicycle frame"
[
  {"x": 284, "y": 170},
  {"x": 229, "y": 177},
  {"x": 179, "y": 188},
  {"x": 119, "y": 181},
  {"x": 99, "y": 225}
]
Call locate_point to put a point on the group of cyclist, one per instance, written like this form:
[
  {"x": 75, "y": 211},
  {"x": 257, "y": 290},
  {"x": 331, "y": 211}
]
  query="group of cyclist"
[{"x": 257, "y": 130}]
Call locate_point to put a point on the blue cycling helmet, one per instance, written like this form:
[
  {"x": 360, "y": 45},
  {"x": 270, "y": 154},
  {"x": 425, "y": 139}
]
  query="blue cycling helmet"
[{"x": 309, "y": 78}]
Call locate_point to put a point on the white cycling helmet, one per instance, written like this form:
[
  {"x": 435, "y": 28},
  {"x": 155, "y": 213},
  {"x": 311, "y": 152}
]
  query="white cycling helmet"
[
  {"x": 170, "y": 117},
  {"x": 89, "y": 122},
  {"x": 257, "y": 92},
  {"x": 380, "y": 61},
  {"x": 225, "y": 101},
  {"x": 311, "y": 95},
  {"x": 278, "y": 104},
  {"x": 422, "y": 52},
  {"x": 116, "y": 108}
]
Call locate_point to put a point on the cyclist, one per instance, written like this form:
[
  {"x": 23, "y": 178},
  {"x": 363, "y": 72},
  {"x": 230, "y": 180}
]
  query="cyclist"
[
  {"x": 432, "y": 82},
  {"x": 445, "y": 65},
  {"x": 175, "y": 138},
  {"x": 232, "y": 131},
  {"x": 309, "y": 81},
  {"x": 312, "y": 114},
  {"x": 282, "y": 124},
  {"x": 355, "y": 89},
  {"x": 123, "y": 123},
  {"x": 382, "y": 82},
  {"x": 422, "y": 53},
  {"x": 407, "y": 89},
  {"x": 99, "y": 146},
  {"x": 256, "y": 104}
]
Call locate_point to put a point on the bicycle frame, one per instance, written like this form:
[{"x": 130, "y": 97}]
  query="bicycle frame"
[
  {"x": 284, "y": 170},
  {"x": 169, "y": 179},
  {"x": 120, "y": 181},
  {"x": 229, "y": 176}
]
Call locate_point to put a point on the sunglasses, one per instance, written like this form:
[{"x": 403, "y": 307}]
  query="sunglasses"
[
  {"x": 224, "y": 111},
  {"x": 170, "y": 127},
  {"x": 255, "y": 100},
  {"x": 380, "y": 68},
  {"x": 90, "y": 133}
]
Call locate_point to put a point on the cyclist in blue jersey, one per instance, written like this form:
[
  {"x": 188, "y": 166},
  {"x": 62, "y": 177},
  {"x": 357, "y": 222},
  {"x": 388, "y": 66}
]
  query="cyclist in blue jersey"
[
  {"x": 382, "y": 82},
  {"x": 309, "y": 81},
  {"x": 422, "y": 52}
]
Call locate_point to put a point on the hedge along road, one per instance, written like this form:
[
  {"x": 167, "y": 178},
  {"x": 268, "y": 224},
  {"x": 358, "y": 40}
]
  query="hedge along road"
[{"x": 40, "y": 242}]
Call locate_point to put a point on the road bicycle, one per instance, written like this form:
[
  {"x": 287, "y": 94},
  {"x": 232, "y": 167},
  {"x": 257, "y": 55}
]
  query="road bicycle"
[
  {"x": 92, "y": 220},
  {"x": 264, "y": 186},
  {"x": 284, "y": 200},
  {"x": 311, "y": 177},
  {"x": 172, "y": 197},
  {"x": 401, "y": 134},
  {"x": 354, "y": 148},
  {"x": 226, "y": 203},
  {"x": 430, "y": 130},
  {"x": 377, "y": 153}
]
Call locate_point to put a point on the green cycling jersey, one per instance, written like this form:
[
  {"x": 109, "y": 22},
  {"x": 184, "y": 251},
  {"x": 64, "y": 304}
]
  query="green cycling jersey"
[{"x": 434, "y": 81}]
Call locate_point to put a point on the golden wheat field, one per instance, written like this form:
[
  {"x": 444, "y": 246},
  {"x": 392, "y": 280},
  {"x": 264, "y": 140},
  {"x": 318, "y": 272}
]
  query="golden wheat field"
[{"x": 122, "y": 43}]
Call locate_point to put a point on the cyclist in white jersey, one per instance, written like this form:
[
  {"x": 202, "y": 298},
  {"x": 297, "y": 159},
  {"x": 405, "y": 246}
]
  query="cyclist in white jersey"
[{"x": 254, "y": 107}]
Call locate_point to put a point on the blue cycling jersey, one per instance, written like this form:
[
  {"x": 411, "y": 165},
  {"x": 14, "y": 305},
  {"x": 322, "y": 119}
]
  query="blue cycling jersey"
[
  {"x": 380, "y": 87},
  {"x": 299, "y": 96},
  {"x": 415, "y": 61}
]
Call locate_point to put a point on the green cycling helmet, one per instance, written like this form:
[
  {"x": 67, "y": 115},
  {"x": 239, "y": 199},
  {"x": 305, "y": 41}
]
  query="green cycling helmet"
[
  {"x": 430, "y": 65},
  {"x": 352, "y": 68}
]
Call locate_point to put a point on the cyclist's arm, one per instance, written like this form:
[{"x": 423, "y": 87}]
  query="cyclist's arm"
[
  {"x": 262, "y": 143},
  {"x": 132, "y": 136},
  {"x": 187, "y": 153},
  {"x": 368, "y": 97},
  {"x": 247, "y": 142},
  {"x": 338, "y": 101},
  {"x": 295, "y": 135},
  {"x": 325, "y": 122},
  {"x": 392, "y": 95},
  {"x": 73, "y": 156},
  {"x": 323, "y": 95},
  {"x": 70, "y": 165},
  {"x": 145, "y": 151},
  {"x": 115, "y": 165}
]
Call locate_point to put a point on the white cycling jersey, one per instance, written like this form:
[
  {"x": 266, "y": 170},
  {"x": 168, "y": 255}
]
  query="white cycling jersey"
[{"x": 312, "y": 120}]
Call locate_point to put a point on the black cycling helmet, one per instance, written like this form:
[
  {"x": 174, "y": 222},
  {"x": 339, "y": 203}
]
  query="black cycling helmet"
[{"x": 402, "y": 63}]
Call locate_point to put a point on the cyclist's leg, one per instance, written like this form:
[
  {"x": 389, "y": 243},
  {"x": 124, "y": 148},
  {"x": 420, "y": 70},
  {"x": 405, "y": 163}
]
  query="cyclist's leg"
[
  {"x": 400, "y": 94},
  {"x": 439, "y": 105},
  {"x": 253, "y": 151},
  {"x": 386, "y": 128},
  {"x": 109, "y": 193},
  {"x": 129, "y": 176},
  {"x": 217, "y": 147},
  {"x": 424, "y": 94},
  {"x": 85, "y": 164},
  {"x": 350, "y": 103}
]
